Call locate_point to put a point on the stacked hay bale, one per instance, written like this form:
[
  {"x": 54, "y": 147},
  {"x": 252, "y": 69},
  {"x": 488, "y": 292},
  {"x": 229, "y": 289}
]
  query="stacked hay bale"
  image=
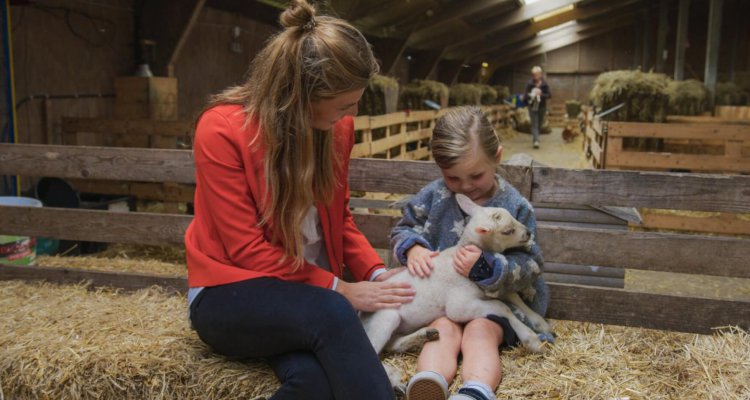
[
  {"x": 730, "y": 94},
  {"x": 464, "y": 94},
  {"x": 503, "y": 92},
  {"x": 687, "y": 97},
  {"x": 415, "y": 93},
  {"x": 521, "y": 121},
  {"x": 380, "y": 96},
  {"x": 572, "y": 108},
  {"x": 489, "y": 94},
  {"x": 644, "y": 95}
]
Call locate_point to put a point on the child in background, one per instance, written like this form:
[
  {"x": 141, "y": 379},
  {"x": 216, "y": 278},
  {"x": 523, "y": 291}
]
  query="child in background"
[{"x": 468, "y": 151}]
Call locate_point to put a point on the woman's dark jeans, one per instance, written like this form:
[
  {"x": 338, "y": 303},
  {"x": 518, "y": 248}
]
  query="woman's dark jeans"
[{"x": 311, "y": 337}]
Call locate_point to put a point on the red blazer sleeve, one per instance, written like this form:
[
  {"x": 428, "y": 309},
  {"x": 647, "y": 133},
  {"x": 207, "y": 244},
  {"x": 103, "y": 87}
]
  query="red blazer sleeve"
[
  {"x": 359, "y": 256},
  {"x": 221, "y": 176}
]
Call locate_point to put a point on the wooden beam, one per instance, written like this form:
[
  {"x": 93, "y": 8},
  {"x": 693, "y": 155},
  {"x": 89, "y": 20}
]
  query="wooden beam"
[
  {"x": 647, "y": 310},
  {"x": 452, "y": 12},
  {"x": 504, "y": 21},
  {"x": 712, "y": 49},
  {"x": 697, "y": 192},
  {"x": 661, "y": 35},
  {"x": 254, "y": 10},
  {"x": 424, "y": 62},
  {"x": 488, "y": 43},
  {"x": 681, "y": 42},
  {"x": 448, "y": 71},
  {"x": 388, "y": 51},
  {"x": 168, "y": 23},
  {"x": 646, "y": 46}
]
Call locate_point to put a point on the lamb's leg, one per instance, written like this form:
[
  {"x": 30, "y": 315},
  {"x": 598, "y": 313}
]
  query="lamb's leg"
[
  {"x": 380, "y": 326},
  {"x": 538, "y": 323},
  {"x": 463, "y": 311},
  {"x": 413, "y": 340}
]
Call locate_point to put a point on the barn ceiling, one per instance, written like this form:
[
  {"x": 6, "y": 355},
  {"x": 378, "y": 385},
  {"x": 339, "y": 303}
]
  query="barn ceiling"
[{"x": 465, "y": 31}]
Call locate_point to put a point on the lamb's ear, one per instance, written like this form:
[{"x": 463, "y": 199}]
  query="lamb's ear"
[{"x": 468, "y": 206}]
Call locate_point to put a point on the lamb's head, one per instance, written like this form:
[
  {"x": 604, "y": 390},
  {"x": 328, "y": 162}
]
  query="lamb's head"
[{"x": 492, "y": 229}]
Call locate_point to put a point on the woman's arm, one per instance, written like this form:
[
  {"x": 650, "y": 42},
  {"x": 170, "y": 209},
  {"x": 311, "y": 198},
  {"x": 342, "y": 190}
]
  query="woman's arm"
[{"x": 231, "y": 206}]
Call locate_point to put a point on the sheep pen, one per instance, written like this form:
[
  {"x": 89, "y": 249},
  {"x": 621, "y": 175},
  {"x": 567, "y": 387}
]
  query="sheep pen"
[{"x": 68, "y": 341}]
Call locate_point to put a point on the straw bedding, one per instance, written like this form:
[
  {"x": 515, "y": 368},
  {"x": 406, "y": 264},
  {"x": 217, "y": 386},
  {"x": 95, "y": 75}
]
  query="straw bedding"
[{"x": 68, "y": 342}]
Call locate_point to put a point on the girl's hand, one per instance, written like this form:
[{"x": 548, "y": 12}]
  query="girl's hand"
[
  {"x": 373, "y": 296},
  {"x": 419, "y": 261},
  {"x": 465, "y": 258}
]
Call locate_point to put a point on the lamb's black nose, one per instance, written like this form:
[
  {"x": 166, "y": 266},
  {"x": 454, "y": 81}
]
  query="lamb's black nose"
[{"x": 526, "y": 235}]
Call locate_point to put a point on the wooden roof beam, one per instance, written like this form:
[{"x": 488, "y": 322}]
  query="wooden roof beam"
[
  {"x": 452, "y": 12},
  {"x": 423, "y": 63},
  {"x": 487, "y": 45}
]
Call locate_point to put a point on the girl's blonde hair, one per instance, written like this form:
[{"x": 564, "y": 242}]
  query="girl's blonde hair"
[
  {"x": 312, "y": 58},
  {"x": 460, "y": 133}
]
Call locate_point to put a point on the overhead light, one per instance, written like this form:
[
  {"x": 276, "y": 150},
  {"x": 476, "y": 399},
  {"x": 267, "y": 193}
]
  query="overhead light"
[
  {"x": 557, "y": 28},
  {"x": 526, "y": 2},
  {"x": 552, "y": 13},
  {"x": 485, "y": 65}
]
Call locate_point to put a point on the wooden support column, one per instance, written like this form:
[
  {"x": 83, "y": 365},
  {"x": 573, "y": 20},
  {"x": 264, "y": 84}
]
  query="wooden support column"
[
  {"x": 646, "y": 55},
  {"x": 388, "y": 51},
  {"x": 661, "y": 35},
  {"x": 681, "y": 42},
  {"x": 712, "y": 49},
  {"x": 424, "y": 63},
  {"x": 168, "y": 23},
  {"x": 448, "y": 71}
]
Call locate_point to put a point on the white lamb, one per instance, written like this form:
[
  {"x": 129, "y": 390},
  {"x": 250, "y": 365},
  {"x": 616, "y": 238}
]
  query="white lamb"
[{"x": 446, "y": 293}]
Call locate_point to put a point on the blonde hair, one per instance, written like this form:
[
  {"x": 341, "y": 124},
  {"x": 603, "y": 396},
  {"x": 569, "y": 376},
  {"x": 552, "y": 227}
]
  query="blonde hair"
[
  {"x": 312, "y": 58},
  {"x": 459, "y": 133},
  {"x": 536, "y": 69}
]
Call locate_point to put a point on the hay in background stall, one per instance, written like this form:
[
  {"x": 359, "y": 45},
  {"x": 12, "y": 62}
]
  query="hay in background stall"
[
  {"x": 465, "y": 94},
  {"x": 730, "y": 94},
  {"x": 417, "y": 91},
  {"x": 115, "y": 264},
  {"x": 644, "y": 95},
  {"x": 572, "y": 108},
  {"x": 687, "y": 97},
  {"x": 67, "y": 342},
  {"x": 489, "y": 94},
  {"x": 380, "y": 96},
  {"x": 503, "y": 92}
]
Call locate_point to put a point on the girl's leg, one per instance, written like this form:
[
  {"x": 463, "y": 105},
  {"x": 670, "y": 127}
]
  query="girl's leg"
[
  {"x": 441, "y": 355},
  {"x": 482, "y": 369},
  {"x": 268, "y": 318}
]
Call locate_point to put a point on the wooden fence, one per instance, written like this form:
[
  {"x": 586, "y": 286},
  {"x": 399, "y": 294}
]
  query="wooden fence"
[{"x": 690, "y": 254}]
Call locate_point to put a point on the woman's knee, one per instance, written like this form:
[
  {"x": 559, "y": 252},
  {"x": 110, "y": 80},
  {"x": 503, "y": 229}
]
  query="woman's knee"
[
  {"x": 482, "y": 330},
  {"x": 302, "y": 377},
  {"x": 337, "y": 312}
]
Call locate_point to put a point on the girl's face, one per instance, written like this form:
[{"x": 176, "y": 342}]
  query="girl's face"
[
  {"x": 326, "y": 112},
  {"x": 473, "y": 176}
]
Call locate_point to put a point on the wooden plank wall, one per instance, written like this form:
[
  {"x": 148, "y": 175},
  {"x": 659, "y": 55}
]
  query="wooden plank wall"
[{"x": 563, "y": 245}]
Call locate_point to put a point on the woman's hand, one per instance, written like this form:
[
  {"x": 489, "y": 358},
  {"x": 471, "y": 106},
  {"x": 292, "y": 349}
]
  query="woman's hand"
[
  {"x": 373, "y": 296},
  {"x": 419, "y": 261},
  {"x": 387, "y": 274},
  {"x": 465, "y": 258}
]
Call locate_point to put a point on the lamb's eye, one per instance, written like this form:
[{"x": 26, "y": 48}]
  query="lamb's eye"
[{"x": 509, "y": 231}]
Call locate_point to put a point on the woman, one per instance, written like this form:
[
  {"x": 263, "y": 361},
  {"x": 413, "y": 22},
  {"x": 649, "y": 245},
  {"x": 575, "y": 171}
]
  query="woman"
[
  {"x": 536, "y": 93},
  {"x": 272, "y": 229}
]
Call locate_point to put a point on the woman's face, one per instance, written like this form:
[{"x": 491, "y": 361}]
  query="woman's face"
[
  {"x": 473, "y": 176},
  {"x": 326, "y": 112}
]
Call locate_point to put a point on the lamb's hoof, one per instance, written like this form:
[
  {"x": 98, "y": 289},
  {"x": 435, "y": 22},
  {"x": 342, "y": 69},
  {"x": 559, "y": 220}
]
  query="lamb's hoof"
[
  {"x": 432, "y": 334},
  {"x": 533, "y": 344},
  {"x": 400, "y": 391},
  {"x": 548, "y": 337},
  {"x": 541, "y": 326}
]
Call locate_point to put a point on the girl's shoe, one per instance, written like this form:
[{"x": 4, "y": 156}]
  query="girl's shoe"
[{"x": 427, "y": 385}]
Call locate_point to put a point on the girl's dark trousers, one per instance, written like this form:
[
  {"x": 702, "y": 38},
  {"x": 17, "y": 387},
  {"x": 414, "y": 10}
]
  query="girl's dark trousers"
[{"x": 310, "y": 336}]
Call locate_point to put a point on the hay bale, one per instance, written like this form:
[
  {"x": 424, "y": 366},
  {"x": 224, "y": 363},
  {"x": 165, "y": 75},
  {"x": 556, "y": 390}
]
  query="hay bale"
[
  {"x": 730, "y": 94},
  {"x": 572, "y": 108},
  {"x": 66, "y": 342},
  {"x": 380, "y": 96},
  {"x": 644, "y": 95},
  {"x": 687, "y": 97},
  {"x": 489, "y": 94},
  {"x": 521, "y": 122},
  {"x": 503, "y": 92},
  {"x": 415, "y": 93},
  {"x": 465, "y": 94}
]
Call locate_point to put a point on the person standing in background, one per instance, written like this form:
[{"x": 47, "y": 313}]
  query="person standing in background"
[{"x": 536, "y": 95}]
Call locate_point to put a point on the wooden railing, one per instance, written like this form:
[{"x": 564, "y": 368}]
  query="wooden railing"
[{"x": 689, "y": 254}]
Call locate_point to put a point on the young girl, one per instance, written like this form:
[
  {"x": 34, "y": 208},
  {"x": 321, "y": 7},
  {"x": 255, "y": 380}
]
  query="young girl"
[
  {"x": 272, "y": 229},
  {"x": 467, "y": 150}
]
